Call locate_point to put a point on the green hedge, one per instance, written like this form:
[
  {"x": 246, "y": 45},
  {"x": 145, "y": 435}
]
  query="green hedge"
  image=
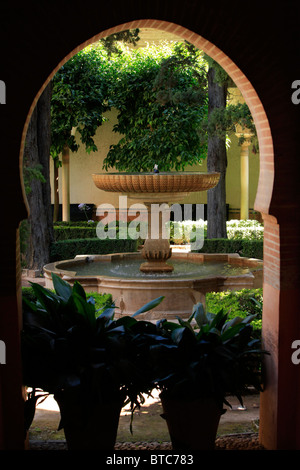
[
  {"x": 73, "y": 223},
  {"x": 68, "y": 249},
  {"x": 239, "y": 303},
  {"x": 74, "y": 230},
  {"x": 247, "y": 248},
  {"x": 65, "y": 232}
]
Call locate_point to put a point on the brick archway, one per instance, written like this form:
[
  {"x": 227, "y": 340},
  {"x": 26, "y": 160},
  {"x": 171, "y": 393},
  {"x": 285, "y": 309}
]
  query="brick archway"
[
  {"x": 266, "y": 177},
  {"x": 275, "y": 417}
]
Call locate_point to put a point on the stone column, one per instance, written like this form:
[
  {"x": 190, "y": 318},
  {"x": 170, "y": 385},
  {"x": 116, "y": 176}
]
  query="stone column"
[
  {"x": 66, "y": 180},
  {"x": 244, "y": 172},
  {"x": 65, "y": 173},
  {"x": 244, "y": 210}
]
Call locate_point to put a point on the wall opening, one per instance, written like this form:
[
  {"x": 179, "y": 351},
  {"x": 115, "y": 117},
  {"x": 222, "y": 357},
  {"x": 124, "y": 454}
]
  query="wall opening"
[{"x": 266, "y": 172}]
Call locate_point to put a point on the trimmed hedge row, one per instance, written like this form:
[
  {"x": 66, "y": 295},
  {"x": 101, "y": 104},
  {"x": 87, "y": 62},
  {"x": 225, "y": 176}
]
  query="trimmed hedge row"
[
  {"x": 68, "y": 249},
  {"x": 66, "y": 232},
  {"x": 74, "y": 230},
  {"x": 246, "y": 248}
]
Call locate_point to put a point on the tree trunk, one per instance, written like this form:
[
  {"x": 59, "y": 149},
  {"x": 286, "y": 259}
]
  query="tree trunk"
[
  {"x": 37, "y": 152},
  {"x": 216, "y": 161},
  {"x": 56, "y": 193}
]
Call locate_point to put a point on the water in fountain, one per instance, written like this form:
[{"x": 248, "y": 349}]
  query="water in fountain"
[{"x": 130, "y": 268}]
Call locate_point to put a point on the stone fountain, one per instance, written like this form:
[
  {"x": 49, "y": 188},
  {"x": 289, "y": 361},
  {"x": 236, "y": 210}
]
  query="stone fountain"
[
  {"x": 156, "y": 190},
  {"x": 133, "y": 279}
]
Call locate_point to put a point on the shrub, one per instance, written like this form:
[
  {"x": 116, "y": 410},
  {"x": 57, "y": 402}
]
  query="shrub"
[
  {"x": 74, "y": 229},
  {"x": 236, "y": 230},
  {"x": 182, "y": 233},
  {"x": 68, "y": 249},
  {"x": 246, "y": 248},
  {"x": 29, "y": 294},
  {"x": 73, "y": 223},
  {"x": 239, "y": 303},
  {"x": 252, "y": 249},
  {"x": 102, "y": 301},
  {"x": 65, "y": 232},
  {"x": 245, "y": 229}
]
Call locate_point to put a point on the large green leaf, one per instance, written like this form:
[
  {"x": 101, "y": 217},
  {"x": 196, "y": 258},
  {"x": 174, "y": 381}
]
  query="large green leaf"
[
  {"x": 47, "y": 299},
  {"x": 199, "y": 314},
  {"x": 177, "y": 334},
  {"x": 126, "y": 321},
  {"x": 61, "y": 287},
  {"x": 185, "y": 324},
  {"x": 231, "y": 323},
  {"x": 149, "y": 306},
  {"x": 231, "y": 332},
  {"x": 86, "y": 309},
  {"x": 79, "y": 290},
  {"x": 219, "y": 320}
]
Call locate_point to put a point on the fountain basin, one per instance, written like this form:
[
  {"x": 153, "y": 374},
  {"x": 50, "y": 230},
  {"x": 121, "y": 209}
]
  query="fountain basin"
[
  {"x": 149, "y": 185},
  {"x": 131, "y": 289}
]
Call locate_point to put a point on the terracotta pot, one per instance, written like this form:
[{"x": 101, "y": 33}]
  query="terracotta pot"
[
  {"x": 92, "y": 428},
  {"x": 192, "y": 424}
]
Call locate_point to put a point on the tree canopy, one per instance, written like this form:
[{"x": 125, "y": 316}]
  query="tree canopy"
[
  {"x": 80, "y": 93},
  {"x": 223, "y": 120},
  {"x": 161, "y": 98},
  {"x": 79, "y": 100}
]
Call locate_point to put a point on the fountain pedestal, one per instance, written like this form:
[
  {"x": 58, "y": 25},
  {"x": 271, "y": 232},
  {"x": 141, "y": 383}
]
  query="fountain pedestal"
[{"x": 156, "y": 248}]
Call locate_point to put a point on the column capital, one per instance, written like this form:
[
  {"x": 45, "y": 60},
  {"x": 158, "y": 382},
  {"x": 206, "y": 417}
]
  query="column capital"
[{"x": 244, "y": 132}]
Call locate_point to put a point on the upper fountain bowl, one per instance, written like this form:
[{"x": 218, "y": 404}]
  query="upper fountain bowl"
[{"x": 164, "y": 183}]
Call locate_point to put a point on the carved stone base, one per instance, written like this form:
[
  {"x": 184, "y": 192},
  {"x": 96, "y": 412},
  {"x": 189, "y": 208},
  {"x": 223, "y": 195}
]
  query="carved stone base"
[
  {"x": 156, "y": 267},
  {"x": 156, "y": 252}
]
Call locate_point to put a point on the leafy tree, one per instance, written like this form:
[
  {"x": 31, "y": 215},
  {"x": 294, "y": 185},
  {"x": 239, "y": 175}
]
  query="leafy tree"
[
  {"x": 221, "y": 120},
  {"x": 50, "y": 131},
  {"x": 173, "y": 112},
  {"x": 161, "y": 97},
  {"x": 78, "y": 102},
  {"x": 113, "y": 43},
  {"x": 79, "y": 96}
]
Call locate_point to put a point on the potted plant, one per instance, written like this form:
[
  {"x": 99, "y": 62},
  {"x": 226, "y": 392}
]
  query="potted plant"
[
  {"x": 206, "y": 359},
  {"x": 92, "y": 364}
]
